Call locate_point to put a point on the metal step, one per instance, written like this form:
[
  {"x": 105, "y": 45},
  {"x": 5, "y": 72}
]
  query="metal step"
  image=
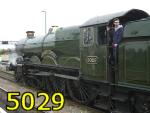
[
  {"x": 102, "y": 106},
  {"x": 54, "y": 68},
  {"x": 120, "y": 97},
  {"x": 119, "y": 111},
  {"x": 41, "y": 74},
  {"x": 104, "y": 94}
]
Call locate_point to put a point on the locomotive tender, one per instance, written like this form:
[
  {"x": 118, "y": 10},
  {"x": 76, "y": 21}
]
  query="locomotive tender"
[{"x": 77, "y": 61}]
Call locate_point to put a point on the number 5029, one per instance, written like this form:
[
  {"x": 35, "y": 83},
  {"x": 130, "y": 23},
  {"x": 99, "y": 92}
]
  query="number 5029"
[{"x": 57, "y": 100}]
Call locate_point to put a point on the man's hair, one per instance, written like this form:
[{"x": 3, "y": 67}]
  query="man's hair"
[{"x": 116, "y": 19}]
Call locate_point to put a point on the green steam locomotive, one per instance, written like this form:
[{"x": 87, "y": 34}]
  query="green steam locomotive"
[{"x": 77, "y": 62}]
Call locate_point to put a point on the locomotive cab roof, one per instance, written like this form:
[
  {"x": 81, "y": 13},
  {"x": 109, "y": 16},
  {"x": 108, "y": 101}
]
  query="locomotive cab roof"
[{"x": 125, "y": 16}]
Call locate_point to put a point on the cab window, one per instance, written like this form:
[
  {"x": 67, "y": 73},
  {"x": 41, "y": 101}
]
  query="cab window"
[
  {"x": 88, "y": 36},
  {"x": 101, "y": 35}
]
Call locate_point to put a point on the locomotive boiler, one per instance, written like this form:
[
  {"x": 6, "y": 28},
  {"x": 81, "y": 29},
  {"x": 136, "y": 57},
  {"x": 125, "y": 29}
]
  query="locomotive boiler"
[{"x": 77, "y": 61}]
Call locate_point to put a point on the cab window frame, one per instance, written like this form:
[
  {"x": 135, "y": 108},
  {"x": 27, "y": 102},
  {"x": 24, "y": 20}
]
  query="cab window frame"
[
  {"x": 88, "y": 35},
  {"x": 101, "y": 39}
]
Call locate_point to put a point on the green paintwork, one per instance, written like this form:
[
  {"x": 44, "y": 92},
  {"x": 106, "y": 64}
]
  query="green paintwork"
[
  {"x": 48, "y": 56},
  {"x": 138, "y": 28},
  {"x": 67, "y": 42},
  {"x": 134, "y": 55},
  {"x": 33, "y": 45},
  {"x": 62, "y": 48},
  {"x": 59, "y": 48},
  {"x": 93, "y": 56},
  {"x": 49, "y": 42},
  {"x": 72, "y": 62},
  {"x": 67, "y": 46}
]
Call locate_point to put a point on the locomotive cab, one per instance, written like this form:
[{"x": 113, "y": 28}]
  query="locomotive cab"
[{"x": 96, "y": 51}]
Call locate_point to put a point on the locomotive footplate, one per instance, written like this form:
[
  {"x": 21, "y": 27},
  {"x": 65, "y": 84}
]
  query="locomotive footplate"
[{"x": 49, "y": 70}]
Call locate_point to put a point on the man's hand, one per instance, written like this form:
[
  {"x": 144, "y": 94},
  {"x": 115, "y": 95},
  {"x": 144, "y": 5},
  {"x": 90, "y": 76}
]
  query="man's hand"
[{"x": 114, "y": 45}]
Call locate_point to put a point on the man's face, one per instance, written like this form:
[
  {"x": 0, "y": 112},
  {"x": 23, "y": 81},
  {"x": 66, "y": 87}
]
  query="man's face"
[{"x": 116, "y": 23}]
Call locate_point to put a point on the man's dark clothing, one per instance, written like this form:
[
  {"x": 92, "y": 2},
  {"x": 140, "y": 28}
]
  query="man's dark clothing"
[{"x": 117, "y": 34}]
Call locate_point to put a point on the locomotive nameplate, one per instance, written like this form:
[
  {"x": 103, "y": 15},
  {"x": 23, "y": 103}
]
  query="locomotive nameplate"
[{"x": 91, "y": 59}]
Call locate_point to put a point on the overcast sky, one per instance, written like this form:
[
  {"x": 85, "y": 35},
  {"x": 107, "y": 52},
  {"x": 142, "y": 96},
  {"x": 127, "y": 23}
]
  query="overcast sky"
[{"x": 19, "y": 16}]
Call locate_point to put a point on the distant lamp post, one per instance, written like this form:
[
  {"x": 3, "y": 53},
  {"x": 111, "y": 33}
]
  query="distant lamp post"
[{"x": 45, "y": 20}]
